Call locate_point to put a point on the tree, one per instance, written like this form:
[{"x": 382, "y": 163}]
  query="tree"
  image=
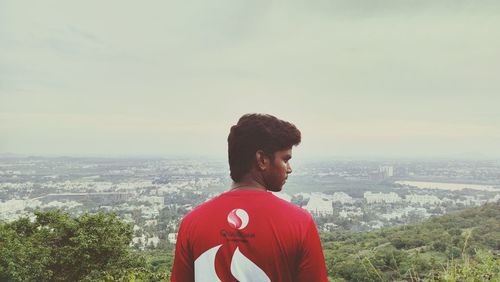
[{"x": 58, "y": 247}]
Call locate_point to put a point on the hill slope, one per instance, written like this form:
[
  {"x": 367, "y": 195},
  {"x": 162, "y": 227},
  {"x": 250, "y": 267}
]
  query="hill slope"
[{"x": 452, "y": 247}]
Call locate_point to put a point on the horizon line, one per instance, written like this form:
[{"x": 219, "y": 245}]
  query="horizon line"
[{"x": 457, "y": 157}]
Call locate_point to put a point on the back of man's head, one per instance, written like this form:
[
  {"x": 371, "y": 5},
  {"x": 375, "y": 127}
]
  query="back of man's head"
[{"x": 255, "y": 132}]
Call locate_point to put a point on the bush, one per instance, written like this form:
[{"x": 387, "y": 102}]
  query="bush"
[{"x": 58, "y": 247}]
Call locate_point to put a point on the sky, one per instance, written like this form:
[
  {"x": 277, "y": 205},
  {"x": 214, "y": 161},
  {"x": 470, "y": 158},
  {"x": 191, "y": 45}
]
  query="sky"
[{"x": 359, "y": 78}]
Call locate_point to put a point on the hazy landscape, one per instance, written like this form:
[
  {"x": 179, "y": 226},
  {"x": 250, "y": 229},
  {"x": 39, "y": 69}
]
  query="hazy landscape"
[
  {"x": 114, "y": 119},
  {"x": 358, "y": 195},
  {"x": 152, "y": 195}
]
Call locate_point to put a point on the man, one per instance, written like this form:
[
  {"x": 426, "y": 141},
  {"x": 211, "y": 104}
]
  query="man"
[{"x": 247, "y": 233}]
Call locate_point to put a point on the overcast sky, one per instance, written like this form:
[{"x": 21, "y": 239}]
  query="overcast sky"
[{"x": 360, "y": 78}]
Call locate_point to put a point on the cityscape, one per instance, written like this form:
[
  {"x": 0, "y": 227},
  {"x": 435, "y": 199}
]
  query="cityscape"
[
  {"x": 153, "y": 195},
  {"x": 115, "y": 115}
]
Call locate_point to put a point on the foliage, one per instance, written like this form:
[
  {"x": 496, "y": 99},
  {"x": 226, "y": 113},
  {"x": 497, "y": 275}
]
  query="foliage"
[
  {"x": 455, "y": 247},
  {"x": 484, "y": 267},
  {"x": 57, "y": 247},
  {"x": 96, "y": 247}
]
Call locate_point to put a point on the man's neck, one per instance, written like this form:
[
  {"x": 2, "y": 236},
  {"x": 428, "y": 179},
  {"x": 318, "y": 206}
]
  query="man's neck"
[{"x": 248, "y": 182}]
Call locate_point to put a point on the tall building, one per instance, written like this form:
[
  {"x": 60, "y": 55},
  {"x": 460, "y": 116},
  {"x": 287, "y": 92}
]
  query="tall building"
[{"x": 386, "y": 171}]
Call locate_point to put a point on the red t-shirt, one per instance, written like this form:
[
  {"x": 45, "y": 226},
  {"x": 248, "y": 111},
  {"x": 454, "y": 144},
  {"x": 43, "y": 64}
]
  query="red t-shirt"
[{"x": 248, "y": 235}]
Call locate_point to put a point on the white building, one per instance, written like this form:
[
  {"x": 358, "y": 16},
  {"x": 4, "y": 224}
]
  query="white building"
[
  {"x": 350, "y": 213},
  {"x": 319, "y": 205},
  {"x": 342, "y": 198},
  {"x": 381, "y": 197},
  {"x": 153, "y": 241},
  {"x": 61, "y": 205},
  {"x": 172, "y": 238},
  {"x": 13, "y": 209},
  {"x": 329, "y": 226},
  {"x": 494, "y": 199},
  {"x": 12, "y": 205},
  {"x": 387, "y": 171},
  {"x": 423, "y": 199},
  {"x": 401, "y": 213}
]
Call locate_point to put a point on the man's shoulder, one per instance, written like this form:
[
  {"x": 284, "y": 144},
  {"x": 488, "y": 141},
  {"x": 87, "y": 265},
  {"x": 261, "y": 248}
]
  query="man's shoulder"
[
  {"x": 291, "y": 209},
  {"x": 262, "y": 199},
  {"x": 202, "y": 208}
]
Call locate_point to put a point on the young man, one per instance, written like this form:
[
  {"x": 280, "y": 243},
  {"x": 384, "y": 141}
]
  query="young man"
[{"x": 247, "y": 233}]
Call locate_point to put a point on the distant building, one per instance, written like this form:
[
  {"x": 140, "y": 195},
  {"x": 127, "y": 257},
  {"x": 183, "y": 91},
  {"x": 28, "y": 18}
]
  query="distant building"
[
  {"x": 423, "y": 199},
  {"x": 494, "y": 199},
  {"x": 352, "y": 212},
  {"x": 139, "y": 241},
  {"x": 142, "y": 242},
  {"x": 60, "y": 205},
  {"x": 172, "y": 238},
  {"x": 342, "y": 198},
  {"x": 103, "y": 197},
  {"x": 375, "y": 224},
  {"x": 13, "y": 209},
  {"x": 319, "y": 206},
  {"x": 153, "y": 241},
  {"x": 386, "y": 171},
  {"x": 329, "y": 226},
  {"x": 372, "y": 198},
  {"x": 12, "y": 205},
  {"x": 405, "y": 212}
]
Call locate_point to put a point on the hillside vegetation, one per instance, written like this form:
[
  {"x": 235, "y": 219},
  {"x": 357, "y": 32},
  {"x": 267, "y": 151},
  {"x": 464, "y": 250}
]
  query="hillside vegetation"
[
  {"x": 462, "y": 246},
  {"x": 58, "y": 247},
  {"x": 96, "y": 247}
]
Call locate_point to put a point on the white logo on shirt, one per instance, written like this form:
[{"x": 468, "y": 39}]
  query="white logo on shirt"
[
  {"x": 238, "y": 219},
  {"x": 242, "y": 268}
]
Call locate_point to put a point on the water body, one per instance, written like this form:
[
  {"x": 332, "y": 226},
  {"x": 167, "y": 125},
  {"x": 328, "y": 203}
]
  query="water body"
[{"x": 448, "y": 186}]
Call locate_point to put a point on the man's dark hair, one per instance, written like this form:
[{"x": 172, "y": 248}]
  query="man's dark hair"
[{"x": 255, "y": 132}]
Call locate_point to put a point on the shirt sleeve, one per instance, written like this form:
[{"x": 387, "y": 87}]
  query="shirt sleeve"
[
  {"x": 183, "y": 268},
  {"x": 312, "y": 263}
]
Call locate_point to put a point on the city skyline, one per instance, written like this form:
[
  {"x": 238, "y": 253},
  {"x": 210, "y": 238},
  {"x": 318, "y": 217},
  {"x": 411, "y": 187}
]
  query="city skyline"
[{"x": 359, "y": 79}]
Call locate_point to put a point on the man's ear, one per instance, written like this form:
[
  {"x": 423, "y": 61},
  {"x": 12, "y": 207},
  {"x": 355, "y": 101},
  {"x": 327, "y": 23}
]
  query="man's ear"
[{"x": 262, "y": 160}]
